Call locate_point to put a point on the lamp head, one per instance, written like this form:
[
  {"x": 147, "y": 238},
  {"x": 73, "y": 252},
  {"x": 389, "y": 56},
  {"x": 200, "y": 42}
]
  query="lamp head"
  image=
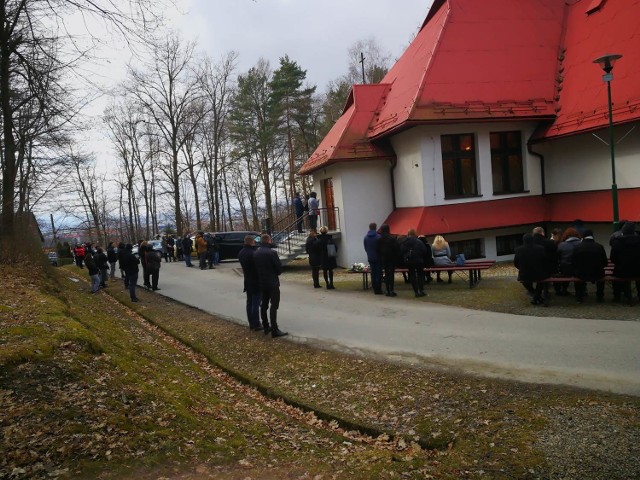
[{"x": 607, "y": 61}]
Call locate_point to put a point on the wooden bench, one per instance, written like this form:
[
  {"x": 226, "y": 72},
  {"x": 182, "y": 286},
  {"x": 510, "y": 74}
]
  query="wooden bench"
[
  {"x": 560, "y": 279},
  {"x": 473, "y": 270}
]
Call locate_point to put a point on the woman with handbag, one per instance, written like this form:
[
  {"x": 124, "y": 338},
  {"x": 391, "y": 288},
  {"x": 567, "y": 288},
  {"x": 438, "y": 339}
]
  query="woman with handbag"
[{"x": 328, "y": 256}]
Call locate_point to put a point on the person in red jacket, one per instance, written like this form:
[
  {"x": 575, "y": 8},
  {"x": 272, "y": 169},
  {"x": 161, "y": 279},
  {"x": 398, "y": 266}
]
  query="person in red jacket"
[{"x": 78, "y": 253}]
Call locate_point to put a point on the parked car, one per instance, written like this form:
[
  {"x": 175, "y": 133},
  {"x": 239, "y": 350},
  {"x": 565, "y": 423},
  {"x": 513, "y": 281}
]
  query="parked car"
[
  {"x": 53, "y": 258},
  {"x": 156, "y": 244},
  {"x": 230, "y": 243}
]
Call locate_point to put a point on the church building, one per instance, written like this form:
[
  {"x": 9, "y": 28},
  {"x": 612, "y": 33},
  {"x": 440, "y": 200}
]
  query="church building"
[{"x": 494, "y": 120}]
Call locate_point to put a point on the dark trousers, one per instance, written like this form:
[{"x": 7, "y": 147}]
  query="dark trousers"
[
  {"x": 315, "y": 275},
  {"x": 581, "y": 288},
  {"x": 327, "y": 273},
  {"x": 202, "y": 257},
  {"x": 187, "y": 259},
  {"x": 624, "y": 288},
  {"x": 313, "y": 222},
  {"x": 270, "y": 301},
  {"x": 416, "y": 278},
  {"x": 155, "y": 276},
  {"x": 376, "y": 276},
  {"x": 253, "y": 308},
  {"x": 132, "y": 278},
  {"x": 79, "y": 261},
  {"x": 299, "y": 223},
  {"x": 389, "y": 274},
  {"x": 145, "y": 276}
]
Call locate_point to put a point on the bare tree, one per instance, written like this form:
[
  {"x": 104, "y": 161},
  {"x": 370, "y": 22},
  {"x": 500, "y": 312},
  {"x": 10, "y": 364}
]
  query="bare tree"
[
  {"x": 218, "y": 88},
  {"x": 36, "y": 52},
  {"x": 169, "y": 89}
]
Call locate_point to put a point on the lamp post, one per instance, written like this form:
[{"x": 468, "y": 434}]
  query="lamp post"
[
  {"x": 222, "y": 205},
  {"x": 606, "y": 62}
]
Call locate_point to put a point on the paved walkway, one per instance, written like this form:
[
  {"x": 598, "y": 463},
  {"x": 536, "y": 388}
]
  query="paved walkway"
[{"x": 599, "y": 354}]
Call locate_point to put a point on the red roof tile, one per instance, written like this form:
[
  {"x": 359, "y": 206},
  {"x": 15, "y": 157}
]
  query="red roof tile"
[
  {"x": 614, "y": 27},
  {"x": 347, "y": 140},
  {"x": 476, "y": 60}
]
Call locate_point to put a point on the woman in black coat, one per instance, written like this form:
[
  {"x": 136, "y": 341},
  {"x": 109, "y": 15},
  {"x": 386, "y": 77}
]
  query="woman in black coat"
[
  {"x": 315, "y": 260},
  {"x": 327, "y": 262}
]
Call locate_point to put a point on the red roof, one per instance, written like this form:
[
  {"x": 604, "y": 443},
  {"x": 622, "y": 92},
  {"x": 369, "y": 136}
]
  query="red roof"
[
  {"x": 498, "y": 59},
  {"x": 593, "y": 206},
  {"x": 476, "y": 60},
  {"x": 347, "y": 140},
  {"x": 612, "y": 27}
]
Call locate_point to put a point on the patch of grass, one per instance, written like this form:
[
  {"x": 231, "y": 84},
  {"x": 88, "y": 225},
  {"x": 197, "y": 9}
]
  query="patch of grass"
[
  {"x": 476, "y": 426},
  {"x": 137, "y": 402}
]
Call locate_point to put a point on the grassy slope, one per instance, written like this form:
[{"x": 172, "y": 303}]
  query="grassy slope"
[{"x": 86, "y": 391}]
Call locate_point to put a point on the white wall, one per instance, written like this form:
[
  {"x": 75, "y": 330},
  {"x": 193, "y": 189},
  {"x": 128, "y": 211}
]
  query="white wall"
[
  {"x": 583, "y": 162},
  {"x": 419, "y": 180},
  {"x": 362, "y": 192}
]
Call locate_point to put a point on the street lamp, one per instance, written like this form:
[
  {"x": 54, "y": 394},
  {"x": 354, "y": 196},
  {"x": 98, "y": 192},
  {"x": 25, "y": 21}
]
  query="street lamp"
[
  {"x": 222, "y": 205},
  {"x": 606, "y": 62}
]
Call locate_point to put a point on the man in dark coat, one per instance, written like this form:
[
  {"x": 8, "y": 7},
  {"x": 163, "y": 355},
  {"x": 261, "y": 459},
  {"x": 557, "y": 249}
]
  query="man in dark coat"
[
  {"x": 414, "y": 254},
  {"x": 389, "y": 251},
  {"x": 102, "y": 263},
  {"x": 153, "y": 260},
  {"x": 268, "y": 267},
  {"x": 187, "y": 245},
  {"x": 299, "y": 209},
  {"x": 373, "y": 257},
  {"x": 112, "y": 258},
  {"x": 551, "y": 249},
  {"x": 130, "y": 265},
  {"x": 589, "y": 261},
  {"x": 625, "y": 254},
  {"x": 251, "y": 282},
  {"x": 122, "y": 253},
  {"x": 531, "y": 261}
]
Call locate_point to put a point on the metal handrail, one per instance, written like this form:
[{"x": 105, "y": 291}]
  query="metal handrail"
[{"x": 285, "y": 232}]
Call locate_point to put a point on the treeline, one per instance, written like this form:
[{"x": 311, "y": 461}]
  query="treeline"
[{"x": 196, "y": 144}]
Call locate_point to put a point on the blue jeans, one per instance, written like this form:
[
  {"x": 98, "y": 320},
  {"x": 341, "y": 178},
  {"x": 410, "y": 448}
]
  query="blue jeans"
[
  {"x": 187, "y": 259},
  {"x": 95, "y": 283}
]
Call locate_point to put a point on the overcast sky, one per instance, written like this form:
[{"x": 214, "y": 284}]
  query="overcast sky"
[{"x": 314, "y": 33}]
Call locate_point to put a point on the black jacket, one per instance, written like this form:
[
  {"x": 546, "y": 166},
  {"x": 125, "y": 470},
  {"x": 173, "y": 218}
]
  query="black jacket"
[
  {"x": 247, "y": 262},
  {"x": 101, "y": 261},
  {"x": 187, "y": 245},
  {"x": 326, "y": 261},
  {"x": 532, "y": 263},
  {"x": 589, "y": 260},
  {"x": 112, "y": 256},
  {"x": 152, "y": 259},
  {"x": 388, "y": 249},
  {"x": 565, "y": 255},
  {"x": 414, "y": 252},
  {"x": 129, "y": 262},
  {"x": 551, "y": 249},
  {"x": 625, "y": 254},
  {"x": 91, "y": 265},
  {"x": 313, "y": 247},
  {"x": 268, "y": 267}
]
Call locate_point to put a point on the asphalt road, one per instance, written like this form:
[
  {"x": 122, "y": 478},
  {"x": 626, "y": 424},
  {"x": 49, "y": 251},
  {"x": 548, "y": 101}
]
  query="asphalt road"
[{"x": 596, "y": 354}]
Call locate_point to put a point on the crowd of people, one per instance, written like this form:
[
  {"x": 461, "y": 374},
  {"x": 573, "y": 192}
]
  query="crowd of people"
[
  {"x": 386, "y": 252},
  {"x": 574, "y": 253}
]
